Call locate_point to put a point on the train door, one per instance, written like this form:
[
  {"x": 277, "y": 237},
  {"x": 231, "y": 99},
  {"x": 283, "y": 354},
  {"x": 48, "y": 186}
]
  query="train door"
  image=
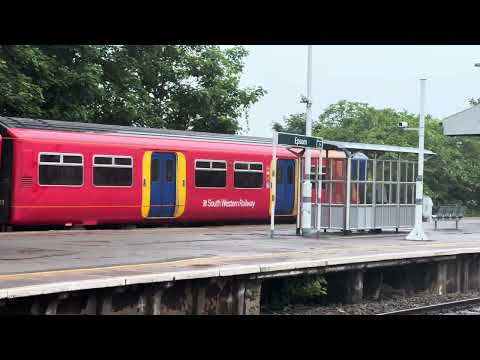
[
  {"x": 285, "y": 187},
  {"x": 162, "y": 185}
]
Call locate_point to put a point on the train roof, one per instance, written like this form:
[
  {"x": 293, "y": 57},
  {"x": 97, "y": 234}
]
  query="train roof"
[{"x": 88, "y": 127}]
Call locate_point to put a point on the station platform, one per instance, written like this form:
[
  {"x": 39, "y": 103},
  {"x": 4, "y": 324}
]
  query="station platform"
[{"x": 43, "y": 262}]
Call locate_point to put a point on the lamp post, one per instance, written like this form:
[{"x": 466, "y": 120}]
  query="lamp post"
[
  {"x": 307, "y": 186},
  {"x": 417, "y": 233}
]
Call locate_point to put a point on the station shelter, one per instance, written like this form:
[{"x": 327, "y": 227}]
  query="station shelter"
[{"x": 363, "y": 187}]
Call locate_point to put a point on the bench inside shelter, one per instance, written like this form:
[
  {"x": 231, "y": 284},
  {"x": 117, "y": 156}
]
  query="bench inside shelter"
[{"x": 449, "y": 213}]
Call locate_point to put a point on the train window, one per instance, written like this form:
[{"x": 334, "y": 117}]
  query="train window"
[
  {"x": 203, "y": 164},
  {"x": 248, "y": 175},
  {"x": 290, "y": 175},
  {"x": 124, "y": 161},
  {"x": 60, "y": 169},
  {"x": 218, "y": 165},
  {"x": 241, "y": 166},
  {"x": 112, "y": 170},
  {"x": 102, "y": 160},
  {"x": 50, "y": 158},
  {"x": 279, "y": 175},
  {"x": 169, "y": 170},
  {"x": 155, "y": 170},
  {"x": 210, "y": 173},
  {"x": 72, "y": 159}
]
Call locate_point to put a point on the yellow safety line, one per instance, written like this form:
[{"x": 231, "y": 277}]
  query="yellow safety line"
[{"x": 185, "y": 261}]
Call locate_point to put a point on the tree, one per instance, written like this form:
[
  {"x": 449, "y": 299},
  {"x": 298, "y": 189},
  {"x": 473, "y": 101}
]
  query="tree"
[
  {"x": 474, "y": 102},
  {"x": 171, "y": 86},
  {"x": 450, "y": 175},
  {"x": 294, "y": 123}
]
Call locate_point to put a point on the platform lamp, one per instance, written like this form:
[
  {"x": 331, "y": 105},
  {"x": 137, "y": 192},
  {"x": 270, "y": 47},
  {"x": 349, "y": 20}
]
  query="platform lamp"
[{"x": 417, "y": 233}]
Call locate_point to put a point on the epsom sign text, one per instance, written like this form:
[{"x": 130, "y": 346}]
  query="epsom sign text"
[{"x": 299, "y": 140}]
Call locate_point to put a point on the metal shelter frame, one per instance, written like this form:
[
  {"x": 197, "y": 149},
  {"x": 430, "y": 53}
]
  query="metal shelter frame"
[{"x": 383, "y": 198}]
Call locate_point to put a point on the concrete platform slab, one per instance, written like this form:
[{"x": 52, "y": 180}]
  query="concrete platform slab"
[{"x": 33, "y": 263}]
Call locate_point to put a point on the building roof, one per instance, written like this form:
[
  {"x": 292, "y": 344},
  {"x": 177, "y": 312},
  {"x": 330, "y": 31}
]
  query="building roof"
[
  {"x": 466, "y": 122},
  {"x": 70, "y": 126}
]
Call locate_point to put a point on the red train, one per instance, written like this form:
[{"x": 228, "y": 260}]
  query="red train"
[{"x": 66, "y": 173}]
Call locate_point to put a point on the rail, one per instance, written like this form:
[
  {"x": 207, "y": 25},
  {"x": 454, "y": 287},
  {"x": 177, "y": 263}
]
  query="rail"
[{"x": 435, "y": 307}]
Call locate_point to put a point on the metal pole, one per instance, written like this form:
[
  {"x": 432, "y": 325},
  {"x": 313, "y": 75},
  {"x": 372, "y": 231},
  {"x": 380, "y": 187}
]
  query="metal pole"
[
  {"x": 273, "y": 189},
  {"x": 299, "y": 194},
  {"x": 348, "y": 194},
  {"x": 417, "y": 233},
  {"x": 319, "y": 192},
  {"x": 307, "y": 188}
]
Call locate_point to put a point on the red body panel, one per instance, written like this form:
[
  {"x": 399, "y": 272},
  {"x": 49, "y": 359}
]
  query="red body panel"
[{"x": 32, "y": 204}]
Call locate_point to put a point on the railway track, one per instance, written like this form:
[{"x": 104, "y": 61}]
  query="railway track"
[{"x": 422, "y": 310}]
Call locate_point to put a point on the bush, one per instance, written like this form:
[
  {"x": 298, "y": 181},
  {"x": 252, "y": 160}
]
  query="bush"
[{"x": 305, "y": 289}]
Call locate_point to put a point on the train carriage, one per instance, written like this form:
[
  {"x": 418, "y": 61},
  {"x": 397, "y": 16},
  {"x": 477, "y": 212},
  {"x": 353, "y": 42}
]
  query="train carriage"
[{"x": 66, "y": 173}]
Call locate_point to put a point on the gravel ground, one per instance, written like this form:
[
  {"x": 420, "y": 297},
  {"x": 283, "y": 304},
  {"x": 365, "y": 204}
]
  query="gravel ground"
[{"x": 395, "y": 302}]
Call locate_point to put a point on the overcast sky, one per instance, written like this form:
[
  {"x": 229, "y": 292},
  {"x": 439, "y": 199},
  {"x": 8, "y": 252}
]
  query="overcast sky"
[{"x": 382, "y": 76}]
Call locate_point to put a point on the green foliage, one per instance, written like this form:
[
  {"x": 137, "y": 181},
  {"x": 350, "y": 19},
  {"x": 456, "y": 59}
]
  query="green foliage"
[
  {"x": 305, "y": 289},
  {"x": 293, "y": 124},
  {"x": 452, "y": 175},
  {"x": 178, "y": 87},
  {"x": 474, "y": 102}
]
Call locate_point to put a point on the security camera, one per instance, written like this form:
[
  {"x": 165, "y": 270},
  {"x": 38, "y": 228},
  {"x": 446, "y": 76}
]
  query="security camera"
[
  {"x": 304, "y": 99},
  {"x": 403, "y": 125}
]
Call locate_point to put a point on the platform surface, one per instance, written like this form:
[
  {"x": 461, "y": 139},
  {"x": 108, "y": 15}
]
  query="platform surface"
[{"x": 41, "y": 262}]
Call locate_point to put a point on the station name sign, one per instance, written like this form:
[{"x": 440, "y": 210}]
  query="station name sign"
[{"x": 299, "y": 140}]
